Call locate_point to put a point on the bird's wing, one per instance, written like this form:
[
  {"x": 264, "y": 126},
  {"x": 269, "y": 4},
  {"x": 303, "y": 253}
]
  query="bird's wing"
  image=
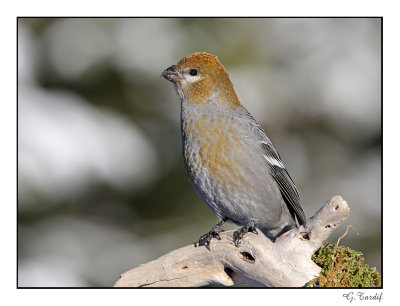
[
  {"x": 285, "y": 182},
  {"x": 277, "y": 168}
]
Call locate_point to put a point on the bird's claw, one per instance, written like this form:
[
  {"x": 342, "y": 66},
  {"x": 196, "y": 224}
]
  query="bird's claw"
[
  {"x": 238, "y": 235},
  {"x": 214, "y": 233},
  {"x": 253, "y": 230},
  {"x": 204, "y": 240}
]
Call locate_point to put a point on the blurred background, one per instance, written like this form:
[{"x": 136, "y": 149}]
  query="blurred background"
[{"x": 101, "y": 182}]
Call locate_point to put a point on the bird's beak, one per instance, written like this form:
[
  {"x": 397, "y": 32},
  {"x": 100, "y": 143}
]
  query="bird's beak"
[{"x": 170, "y": 74}]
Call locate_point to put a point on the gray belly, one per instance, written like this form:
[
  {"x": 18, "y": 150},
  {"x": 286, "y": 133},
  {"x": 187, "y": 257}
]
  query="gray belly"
[{"x": 246, "y": 192}]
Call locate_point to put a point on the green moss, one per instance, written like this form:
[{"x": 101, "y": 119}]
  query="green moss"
[{"x": 343, "y": 267}]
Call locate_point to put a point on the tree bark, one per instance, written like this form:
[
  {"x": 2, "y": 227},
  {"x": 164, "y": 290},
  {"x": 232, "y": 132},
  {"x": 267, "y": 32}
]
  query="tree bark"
[{"x": 257, "y": 261}]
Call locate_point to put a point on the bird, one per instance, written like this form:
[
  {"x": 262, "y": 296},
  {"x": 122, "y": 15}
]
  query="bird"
[{"x": 230, "y": 161}]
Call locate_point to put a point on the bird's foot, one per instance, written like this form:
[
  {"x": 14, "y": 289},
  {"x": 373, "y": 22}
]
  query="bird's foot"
[
  {"x": 238, "y": 235},
  {"x": 214, "y": 233},
  {"x": 206, "y": 238}
]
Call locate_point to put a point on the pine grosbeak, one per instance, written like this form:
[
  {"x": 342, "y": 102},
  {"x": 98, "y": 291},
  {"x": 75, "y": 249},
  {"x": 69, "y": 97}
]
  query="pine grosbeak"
[{"x": 229, "y": 160}]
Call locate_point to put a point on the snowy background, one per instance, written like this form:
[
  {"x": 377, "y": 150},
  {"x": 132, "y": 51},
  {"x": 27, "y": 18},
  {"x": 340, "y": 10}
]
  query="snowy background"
[{"x": 101, "y": 183}]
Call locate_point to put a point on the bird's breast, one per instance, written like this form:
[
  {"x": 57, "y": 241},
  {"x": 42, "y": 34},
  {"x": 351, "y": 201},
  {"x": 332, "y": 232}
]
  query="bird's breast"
[{"x": 214, "y": 150}]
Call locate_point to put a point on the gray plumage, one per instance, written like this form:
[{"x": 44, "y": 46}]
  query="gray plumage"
[{"x": 230, "y": 161}]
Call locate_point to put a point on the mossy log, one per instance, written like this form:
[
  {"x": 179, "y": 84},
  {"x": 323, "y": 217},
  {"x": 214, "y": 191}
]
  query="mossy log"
[{"x": 257, "y": 261}]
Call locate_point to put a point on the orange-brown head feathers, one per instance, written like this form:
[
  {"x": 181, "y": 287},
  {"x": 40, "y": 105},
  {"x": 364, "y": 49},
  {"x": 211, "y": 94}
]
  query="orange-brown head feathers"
[
  {"x": 200, "y": 78},
  {"x": 203, "y": 61}
]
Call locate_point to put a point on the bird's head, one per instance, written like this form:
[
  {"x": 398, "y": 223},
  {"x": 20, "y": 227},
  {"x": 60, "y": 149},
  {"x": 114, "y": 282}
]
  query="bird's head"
[{"x": 200, "y": 78}]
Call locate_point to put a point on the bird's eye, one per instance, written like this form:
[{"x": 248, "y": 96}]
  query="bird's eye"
[{"x": 193, "y": 72}]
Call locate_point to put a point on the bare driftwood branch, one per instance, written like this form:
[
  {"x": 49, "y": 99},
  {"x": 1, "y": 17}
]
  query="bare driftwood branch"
[{"x": 257, "y": 261}]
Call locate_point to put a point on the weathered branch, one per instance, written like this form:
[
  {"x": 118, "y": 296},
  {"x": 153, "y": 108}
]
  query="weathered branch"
[{"x": 257, "y": 261}]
